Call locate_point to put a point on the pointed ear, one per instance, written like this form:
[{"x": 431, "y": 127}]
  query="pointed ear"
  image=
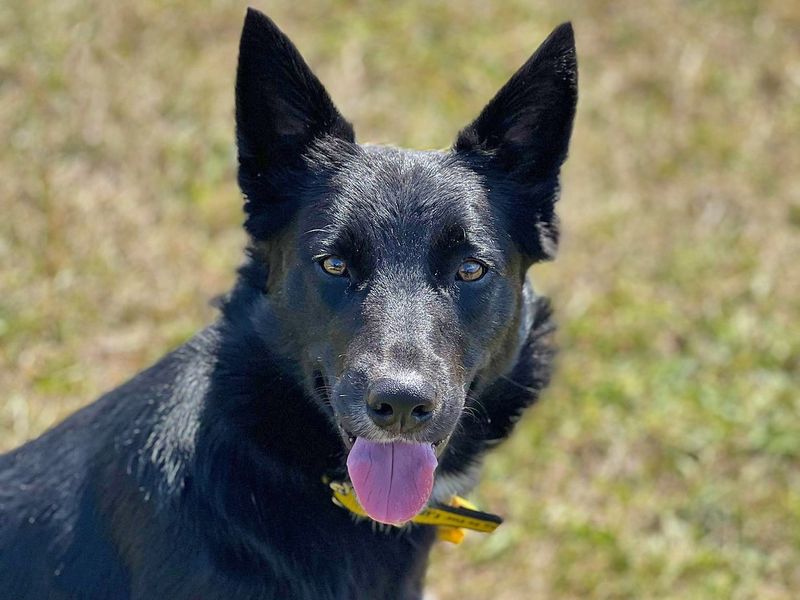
[
  {"x": 527, "y": 125},
  {"x": 282, "y": 109},
  {"x": 522, "y": 137}
]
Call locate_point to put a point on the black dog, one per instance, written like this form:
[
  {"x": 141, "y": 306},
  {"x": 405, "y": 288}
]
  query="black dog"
[{"x": 381, "y": 328}]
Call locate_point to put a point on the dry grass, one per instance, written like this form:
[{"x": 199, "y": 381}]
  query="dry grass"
[{"x": 663, "y": 462}]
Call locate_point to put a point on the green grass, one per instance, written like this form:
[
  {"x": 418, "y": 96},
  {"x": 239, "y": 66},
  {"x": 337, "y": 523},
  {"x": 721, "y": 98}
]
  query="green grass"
[{"x": 663, "y": 462}]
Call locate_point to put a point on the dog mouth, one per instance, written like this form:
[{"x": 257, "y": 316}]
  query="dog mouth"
[
  {"x": 322, "y": 390},
  {"x": 393, "y": 480},
  {"x": 392, "y": 475},
  {"x": 349, "y": 439}
]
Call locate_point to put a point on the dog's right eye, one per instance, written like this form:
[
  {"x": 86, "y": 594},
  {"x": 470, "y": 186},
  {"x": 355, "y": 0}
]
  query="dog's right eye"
[
  {"x": 333, "y": 265},
  {"x": 471, "y": 270}
]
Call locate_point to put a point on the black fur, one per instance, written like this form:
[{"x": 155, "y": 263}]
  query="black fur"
[{"x": 201, "y": 476}]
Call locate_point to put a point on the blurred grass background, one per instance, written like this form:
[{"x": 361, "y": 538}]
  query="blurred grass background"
[{"x": 664, "y": 460}]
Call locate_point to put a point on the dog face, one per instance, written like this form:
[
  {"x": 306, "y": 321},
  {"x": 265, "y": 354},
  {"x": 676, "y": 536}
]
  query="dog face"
[
  {"x": 412, "y": 285},
  {"x": 397, "y": 275}
]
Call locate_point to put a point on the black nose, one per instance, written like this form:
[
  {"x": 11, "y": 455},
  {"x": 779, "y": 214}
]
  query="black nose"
[{"x": 399, "y": 406}]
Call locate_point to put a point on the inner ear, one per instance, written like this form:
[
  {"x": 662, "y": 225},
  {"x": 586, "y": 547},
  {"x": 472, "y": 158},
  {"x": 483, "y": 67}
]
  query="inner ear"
[
  {"x": 520, "y": 140},
  {"x": 282, "y": 112},
  {"x": 281, "y": 106},
  {"x": 527, "y": 125}
]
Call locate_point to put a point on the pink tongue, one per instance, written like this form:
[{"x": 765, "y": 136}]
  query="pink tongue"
[{"x": 392, "y": 481}]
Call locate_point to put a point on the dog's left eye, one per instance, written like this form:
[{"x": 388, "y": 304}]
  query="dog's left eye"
[
  {"x": 471, "y": 270},
  {"x": 333, "y": 265}
]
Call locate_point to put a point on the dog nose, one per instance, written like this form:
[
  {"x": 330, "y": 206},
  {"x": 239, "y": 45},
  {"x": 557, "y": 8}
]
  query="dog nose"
[{"x": 399, "y": 406}]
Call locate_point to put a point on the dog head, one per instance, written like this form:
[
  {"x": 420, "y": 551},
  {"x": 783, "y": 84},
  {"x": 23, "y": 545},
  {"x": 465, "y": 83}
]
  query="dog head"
[{"x": 396, "y": 276}]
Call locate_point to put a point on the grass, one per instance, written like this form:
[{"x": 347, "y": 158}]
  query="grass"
[{"x": 663, "y": 462}]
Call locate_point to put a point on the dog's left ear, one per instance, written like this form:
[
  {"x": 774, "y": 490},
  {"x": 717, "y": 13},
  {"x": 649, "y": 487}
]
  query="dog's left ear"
[
  {"x": 520, "y": 140},
  {"x": 282, "y": 110}
]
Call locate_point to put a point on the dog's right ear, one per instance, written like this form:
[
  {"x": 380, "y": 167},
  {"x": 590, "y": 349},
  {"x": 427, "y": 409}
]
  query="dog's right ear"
[
  {"x": 523, "y": 135},
  {"x": 281, "y": 110}
]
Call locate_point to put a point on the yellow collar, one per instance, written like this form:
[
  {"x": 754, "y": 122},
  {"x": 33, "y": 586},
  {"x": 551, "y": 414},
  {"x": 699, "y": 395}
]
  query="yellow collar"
[{"x": 451, "y": 520}]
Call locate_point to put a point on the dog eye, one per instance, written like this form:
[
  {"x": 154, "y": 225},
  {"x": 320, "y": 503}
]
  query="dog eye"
[
  {"x": 471, "y": 270},
  {"x": 333, "y": 265}
]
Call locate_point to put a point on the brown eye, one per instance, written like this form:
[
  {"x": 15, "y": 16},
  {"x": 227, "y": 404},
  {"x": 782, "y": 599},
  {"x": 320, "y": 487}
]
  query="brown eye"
[
  {"x": 471, "y": 270},
  {"x": 333, "y": 265}
]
